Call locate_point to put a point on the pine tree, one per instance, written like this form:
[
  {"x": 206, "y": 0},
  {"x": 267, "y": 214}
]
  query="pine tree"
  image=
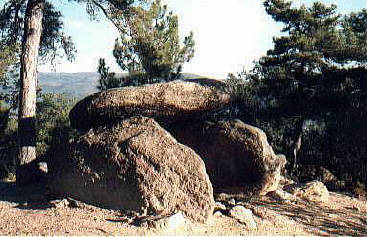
[
  {"x": 317, "y": 43},
  {"x": 103, "y": 71},
  {"x": 315, "y": 74},
  {"x": 36, "y": 26},
  {"x": 150, "y": 44},
  {"x": 28, "y": 89},
  {"x": 7, "y": 59},
  {"x": 317, "y": 40}
]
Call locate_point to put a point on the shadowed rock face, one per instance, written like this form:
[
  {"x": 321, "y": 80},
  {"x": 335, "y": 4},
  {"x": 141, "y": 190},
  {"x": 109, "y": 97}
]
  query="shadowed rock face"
[
  {"x": 165, "y": 102},
  {"x": 134, "y": 165},
  {"x": 237, "y": 156}
]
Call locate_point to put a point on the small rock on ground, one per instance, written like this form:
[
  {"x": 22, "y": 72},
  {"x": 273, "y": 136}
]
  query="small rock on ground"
[
  {"x": 219, "y": 207},
  {"x": 314, "y": 191},
  {"x": 164, "y": 223},
  {"x": 63, "y": 203},
  {"x": 232, "y": 202},
  {"x": 282, "y": 196},
  {"x": 218, "y": 213},
  {"x": 244, "y": 216}
]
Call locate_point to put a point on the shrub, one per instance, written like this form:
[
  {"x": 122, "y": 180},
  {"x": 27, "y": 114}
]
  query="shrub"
[
  {"x": 8, "y": 127},
  {"x": 330, "y": 115},
  {"x": 53, "y": 128}
]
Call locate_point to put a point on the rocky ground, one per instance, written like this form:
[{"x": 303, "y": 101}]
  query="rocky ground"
[{"x": 24, "y": 212}]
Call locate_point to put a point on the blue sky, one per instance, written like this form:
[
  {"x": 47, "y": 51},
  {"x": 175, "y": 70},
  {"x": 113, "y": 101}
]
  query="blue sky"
[{"x": 229, "y": 34}]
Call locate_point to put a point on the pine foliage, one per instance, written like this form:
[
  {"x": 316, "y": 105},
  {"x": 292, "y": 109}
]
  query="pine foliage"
[
  {"x": 149, "y": 46},
  {"x": 313, "y": 84}
]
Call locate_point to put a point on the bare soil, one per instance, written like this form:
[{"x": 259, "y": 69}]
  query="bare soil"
[{"x": 25, "y": 212}]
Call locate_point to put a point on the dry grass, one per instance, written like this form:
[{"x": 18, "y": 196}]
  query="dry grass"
[{"x": 23, "y": 214}]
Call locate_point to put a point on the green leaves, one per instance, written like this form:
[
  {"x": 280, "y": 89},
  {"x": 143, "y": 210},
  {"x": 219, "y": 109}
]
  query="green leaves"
[
  {"x": 7, "y": 59},
  {"x": 318, "y": 39},
  {"x": 54, "y": 41},
  {"x": 316, "y": 72},
  {"x": 150, "y": 43},
  {"x": 53, "y": 126}
]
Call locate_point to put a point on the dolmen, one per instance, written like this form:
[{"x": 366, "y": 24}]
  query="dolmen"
[{"x": 159, "y": 148}]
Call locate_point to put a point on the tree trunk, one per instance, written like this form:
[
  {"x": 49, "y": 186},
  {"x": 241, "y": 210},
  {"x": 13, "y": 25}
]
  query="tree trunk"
[
  {"x": 298, "y": 144},
  {"x": 28, "y": 88}
]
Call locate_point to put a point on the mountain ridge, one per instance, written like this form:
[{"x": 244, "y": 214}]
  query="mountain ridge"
[{"x": 79, "y": 84}]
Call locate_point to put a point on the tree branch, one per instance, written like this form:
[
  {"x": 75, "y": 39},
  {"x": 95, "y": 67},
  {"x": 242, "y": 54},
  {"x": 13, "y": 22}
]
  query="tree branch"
[{"x": 101, "y": 7}]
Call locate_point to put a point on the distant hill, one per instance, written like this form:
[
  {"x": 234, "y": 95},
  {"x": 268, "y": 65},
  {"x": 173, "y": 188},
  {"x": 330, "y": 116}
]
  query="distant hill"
[{"x": 79, "y": 84}]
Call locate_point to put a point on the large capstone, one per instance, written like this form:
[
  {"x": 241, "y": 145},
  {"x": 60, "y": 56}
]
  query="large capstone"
[
  {"x": 134, "y": 165},
  {"x": 165, "y": 102}
]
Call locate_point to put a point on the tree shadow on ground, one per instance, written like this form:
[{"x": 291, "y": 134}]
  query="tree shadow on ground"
[
  {"x": 28, "y": 197},
  {"x": 320, "y": 219}
]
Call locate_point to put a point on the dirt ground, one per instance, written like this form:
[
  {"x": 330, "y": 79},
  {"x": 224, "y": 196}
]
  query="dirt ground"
[{"x": 23, "y": 212}]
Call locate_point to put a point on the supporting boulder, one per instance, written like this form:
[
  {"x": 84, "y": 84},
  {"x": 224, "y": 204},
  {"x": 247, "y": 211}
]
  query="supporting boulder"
[
  {"x": 237, "y": 156},
  {"x": 165, "y": 102},
  {"x": 134, "y": 165}
]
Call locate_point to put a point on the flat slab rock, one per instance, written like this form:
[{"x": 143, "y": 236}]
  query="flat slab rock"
[
  {"x": 134, "y": 165},
  {"x": 165, "y": 102}
]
